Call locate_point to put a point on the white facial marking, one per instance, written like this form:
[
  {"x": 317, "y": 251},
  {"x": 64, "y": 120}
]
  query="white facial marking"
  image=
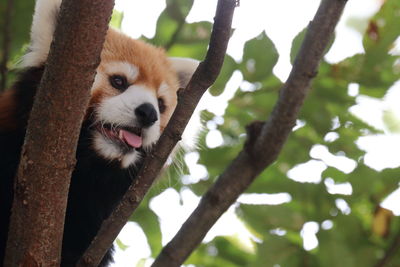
[
  {"x": 111, "y": 152},
  {"x": 104, "y": 146},
  {"x": 120, "y": 67},
  {"x": 164, "y": 92},
  {"x": 184, "y": 67},
  {"x": 120, "y": 111},
  {"x": 98, "y": 80},
  {"x": 130, "y": 159},
  {"x": 130, "y": 71}
]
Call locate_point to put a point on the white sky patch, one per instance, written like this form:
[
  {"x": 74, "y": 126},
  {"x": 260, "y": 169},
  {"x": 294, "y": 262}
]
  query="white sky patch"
[
  {"x": 327, "y": 225},
  {"x": 218, "y": 104},
  {"x": 392, "y": 97},
  {"x": 203, "y": 10},
  {"x": 143, "y": 13},
  {"x": 182, "y": 206},
  {"x": 340, "y": 188},
  {"x": 168, "y": 201},
  {"x": 309, "y": 235},
  {"x": 265, "y": 199},
  {"x": 133, "y": 236},
  {"x": 278, "y": 232},
  {"x": 309, "y": 172},
  {"x": 383, "y": 151},
  {"x": 353, "y": 89},
  {"x": 348, "y": 41},
  {"x": 341, "y": 163},
  {"x": 299, "y": 124},
  {"x": 331, "y": 137},
  {"x": 214, "y": 139},
  {"x": 211, "y": 125},
  {"x": 342, "y": 205},
  {"x": 370, "y": 110},
  {"x": 246, "y": 86},
  {"x": 392, "y": 202},
  {"x": 396, "y": 48},
  {"x": 197, "y": 171}
]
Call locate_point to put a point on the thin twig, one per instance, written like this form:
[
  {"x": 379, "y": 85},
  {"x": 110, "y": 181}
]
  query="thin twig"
[
  {"x": 264, "y": 140},
  {"x": 390, "y": 252},
  {"x": 6, "y": 43},
  {"x": 203, "y": 78}
]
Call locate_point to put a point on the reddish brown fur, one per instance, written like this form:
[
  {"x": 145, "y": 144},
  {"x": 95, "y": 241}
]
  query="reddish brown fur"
[
  {"x": 154, "y": 68},
  {"x": 152, "y": 62},
  {"x": 7, "y": 111}
]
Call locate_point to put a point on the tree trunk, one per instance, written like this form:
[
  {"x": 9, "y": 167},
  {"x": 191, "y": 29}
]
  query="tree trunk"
[{"x": 48, "y": 154}]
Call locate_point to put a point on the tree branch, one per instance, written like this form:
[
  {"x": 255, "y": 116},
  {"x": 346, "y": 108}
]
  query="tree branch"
[
  {"x": 264, "y": 140},
  {"x": 390, "y": 252},
  {"x": 204, "y": 76},
  {"x": 48, "y": 154},
  {"x": 6, "y": 43}
]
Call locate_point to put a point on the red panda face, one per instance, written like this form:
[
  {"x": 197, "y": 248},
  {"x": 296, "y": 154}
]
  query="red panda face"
[
  {"x": 134, "y": 91},
  {"x": 133, "y": 97}
]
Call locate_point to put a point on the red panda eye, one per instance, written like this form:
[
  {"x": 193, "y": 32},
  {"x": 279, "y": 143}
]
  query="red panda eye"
[
  {"x": 119, "y": 82},
  {"x": 161, "y": 105}
]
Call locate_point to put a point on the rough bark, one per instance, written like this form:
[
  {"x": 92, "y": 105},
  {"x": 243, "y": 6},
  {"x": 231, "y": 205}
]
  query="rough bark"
[
  {"x": 48, "y": 155},
  {"x": 204, "y": 76},
  {"x": 264, "y": 140}
]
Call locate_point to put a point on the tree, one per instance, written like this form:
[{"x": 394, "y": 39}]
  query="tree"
[
  {"x": 358, "y": 238},
  {"x": 47, "y": 160}
]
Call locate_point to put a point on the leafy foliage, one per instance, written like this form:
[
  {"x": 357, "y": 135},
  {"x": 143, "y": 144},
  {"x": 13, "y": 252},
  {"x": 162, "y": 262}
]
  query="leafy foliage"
[{"x": 19, "y": 28}]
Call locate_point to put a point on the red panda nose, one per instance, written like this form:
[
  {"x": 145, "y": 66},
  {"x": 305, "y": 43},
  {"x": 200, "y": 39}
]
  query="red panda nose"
[{"x": 146, "y": 114}]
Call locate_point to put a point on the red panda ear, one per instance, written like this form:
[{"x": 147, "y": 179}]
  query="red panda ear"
[
  {"x": 184, "y": 67},
  {"x": 42, "y": 30}
]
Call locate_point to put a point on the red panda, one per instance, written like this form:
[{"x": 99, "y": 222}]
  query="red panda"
[{"x": 132, "y": 99}]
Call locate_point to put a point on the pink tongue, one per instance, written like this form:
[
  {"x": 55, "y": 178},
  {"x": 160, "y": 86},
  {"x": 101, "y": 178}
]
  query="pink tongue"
[{"x": 132, "y": 139}]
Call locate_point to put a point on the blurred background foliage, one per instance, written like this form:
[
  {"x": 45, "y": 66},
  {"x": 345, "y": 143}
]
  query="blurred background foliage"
[{"x": 350, "y": 226}]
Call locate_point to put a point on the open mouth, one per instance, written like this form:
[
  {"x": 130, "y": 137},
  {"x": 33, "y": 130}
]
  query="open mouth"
[{"x": 125, "y": 137}]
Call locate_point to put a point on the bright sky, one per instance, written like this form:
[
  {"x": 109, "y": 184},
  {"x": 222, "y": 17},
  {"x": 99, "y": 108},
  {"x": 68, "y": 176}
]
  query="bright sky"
[{"x": 281, "y": 20}]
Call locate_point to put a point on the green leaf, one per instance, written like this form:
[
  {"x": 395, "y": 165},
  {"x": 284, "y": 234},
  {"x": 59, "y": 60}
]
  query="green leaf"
[
  {"x": 263, "y": 218},
  {"x": 116, "y": 19},
  {"x": 345, "y": 245},
  {"x": 382, "y": 31},
  {"x": 392, "y": 122},
  {"x": 259, "y": 58},
  {"x": 279, "y": 251},
  {"x": 219, "y": 252},
  {"x": 166, "y": 26},
  {"x": 178, "y": 9},
  {"x": 226, "y": 72},
  {"x": 171, "y": 22},
  {"x": 19, "y": 28},
  {"x": 297, "y": 42},
  {"x": 121, "y": 245},
  {"x": 20, "y": 24}
]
